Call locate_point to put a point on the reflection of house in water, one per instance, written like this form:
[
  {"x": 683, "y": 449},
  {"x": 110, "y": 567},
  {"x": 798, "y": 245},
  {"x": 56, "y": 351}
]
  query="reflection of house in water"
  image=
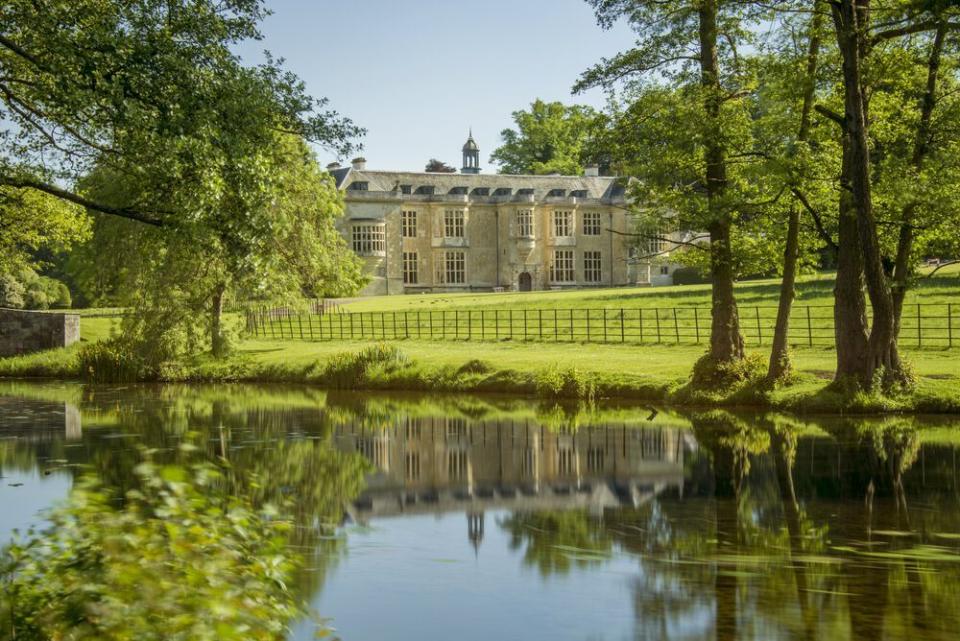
[{"x": 437, "y": 464}]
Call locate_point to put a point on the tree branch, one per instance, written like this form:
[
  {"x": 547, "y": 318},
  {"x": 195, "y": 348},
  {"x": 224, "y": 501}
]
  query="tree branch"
[
  {"x": 817, "y": 219},
  {"x": 69, "y": 196},
  {"x": 832, "y": 115}
]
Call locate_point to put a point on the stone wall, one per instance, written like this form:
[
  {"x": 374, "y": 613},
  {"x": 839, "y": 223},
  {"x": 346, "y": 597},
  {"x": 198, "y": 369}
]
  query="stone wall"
[{"x": 22, "y": 332}]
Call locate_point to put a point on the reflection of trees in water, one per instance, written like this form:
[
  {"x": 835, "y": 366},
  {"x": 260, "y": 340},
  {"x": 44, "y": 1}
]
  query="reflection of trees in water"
[
  {"x": 268, "y": 453},
  {"x": 755, "y": 561},
  {"x": 555, "y": 541}
]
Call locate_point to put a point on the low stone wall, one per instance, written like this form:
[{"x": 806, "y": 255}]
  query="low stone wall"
[{"x": 23, "y": 332}]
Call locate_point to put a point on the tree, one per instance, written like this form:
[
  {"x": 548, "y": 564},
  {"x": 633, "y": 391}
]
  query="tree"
[
  {"x": 550, "y": 138},
  {"x": 439, "y": 167},
  {"x": 149, "y": 89},
  {"x": 177, "y": 281},
  {"x": 860, "y": 29},
  {"x": 691, "y": 47}
]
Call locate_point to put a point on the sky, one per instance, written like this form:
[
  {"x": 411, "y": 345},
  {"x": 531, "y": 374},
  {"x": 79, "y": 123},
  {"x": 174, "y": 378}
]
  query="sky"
[{"x": 418, "y": 74}]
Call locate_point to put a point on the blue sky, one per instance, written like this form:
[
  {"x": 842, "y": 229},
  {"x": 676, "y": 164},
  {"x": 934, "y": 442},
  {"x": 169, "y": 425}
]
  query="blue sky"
[{"x": 418, "y": 73}]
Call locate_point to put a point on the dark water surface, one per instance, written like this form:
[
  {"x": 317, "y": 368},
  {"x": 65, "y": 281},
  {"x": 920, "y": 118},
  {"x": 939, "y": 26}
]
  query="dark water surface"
[{"x": 507, "y": 519}]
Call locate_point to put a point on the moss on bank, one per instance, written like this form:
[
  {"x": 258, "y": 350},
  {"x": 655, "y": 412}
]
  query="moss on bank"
[{"x": 571, "y": 372}]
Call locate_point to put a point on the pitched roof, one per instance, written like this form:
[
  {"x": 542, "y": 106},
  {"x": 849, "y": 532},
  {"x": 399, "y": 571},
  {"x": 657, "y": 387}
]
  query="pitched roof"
[{"x": 597, "y": 187}]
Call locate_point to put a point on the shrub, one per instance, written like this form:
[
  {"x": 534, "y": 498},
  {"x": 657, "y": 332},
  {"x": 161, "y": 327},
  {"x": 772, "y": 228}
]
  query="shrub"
[
  {"x": 109, "y": 362},
  {"x": 349, "y": 370},
  {"x": 62, "y": 299},
  {"x": 176, "y": 559},
  {"x": 11, "y": 292},
  {"x": 709, "y": 373},
  {"x": 475, "y": 366},
  {"x": 36, "y": 298},
  {"x": 565, "y": 384},
  {"x": 689, "y": 276}
]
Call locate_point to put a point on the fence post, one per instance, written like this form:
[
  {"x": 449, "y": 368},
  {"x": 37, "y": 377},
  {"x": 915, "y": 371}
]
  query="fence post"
[
  {"x": 469, "y": 324},
  {"x": 623, "y": 337},
  {"x": 604, "y": 312},
  {"x": 759, "y": 333},
  {"x": 430, "y": 319},
  {"x": 483, "y": 325},
  {"x": 524, "y": 324},
  {"x": 511, "y": 324},
  {"x": 496, "y": 324},
  {"x": 640, "y": 317},
  {"x": 571, "y": 324},
  {"x": 394, "y": 314},
  {"x": 919, "y": 327},
  {"x": 588, "y": 324},
  {"x": 300, "y": 324},
  {"x": 676, "y": 325},
  {"x": 657, "y": 310},
  {"x": 556, "y": 334},
  {"x": 419, "y": 326},
  {"x": 949, "y": 324},
  {"x": 540, "y": 322},
  {"x": 406, "y": 324},
  {"x": 809, "y": 328},
  {"x": 696, "y": 323}
]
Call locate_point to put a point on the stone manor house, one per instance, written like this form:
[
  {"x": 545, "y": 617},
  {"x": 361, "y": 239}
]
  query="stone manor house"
[{"x": 465, "y": 231}]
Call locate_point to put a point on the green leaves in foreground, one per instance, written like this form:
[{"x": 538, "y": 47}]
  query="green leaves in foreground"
[{"x": 177, "y": 560}]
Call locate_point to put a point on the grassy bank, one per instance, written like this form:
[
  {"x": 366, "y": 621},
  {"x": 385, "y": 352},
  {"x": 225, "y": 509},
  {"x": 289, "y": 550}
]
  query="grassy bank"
[{"x": 655, "y": 373}]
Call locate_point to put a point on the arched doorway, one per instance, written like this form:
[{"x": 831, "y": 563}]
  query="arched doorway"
[{"x": 526, "y": 282}]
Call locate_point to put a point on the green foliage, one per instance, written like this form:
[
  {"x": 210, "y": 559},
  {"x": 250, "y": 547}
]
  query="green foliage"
[
  {"x": 550, "y": 138},
  {"x": 710, "y": 374},
  {"x": 351, "y": 370},
  {"x": 109, "y": 361},
  {"x": 689, "y": 276},
  {"x": 177, "y": 560},
  {"x": 565, "y": 384},
  {"x": 285, "y": 249},
  {"x": 28, "y": 290},
  {"x": 33, "y": 221},
  {"x": 11, "y": 292}
]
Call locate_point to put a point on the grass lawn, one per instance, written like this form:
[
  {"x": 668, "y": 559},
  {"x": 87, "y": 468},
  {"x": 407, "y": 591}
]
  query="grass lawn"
[
  {"x": 942, "y": 288},
  {"x": 653, "y": 372}
]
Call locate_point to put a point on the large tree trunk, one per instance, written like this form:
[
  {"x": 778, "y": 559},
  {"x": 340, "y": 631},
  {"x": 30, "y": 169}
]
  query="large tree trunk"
[
  {"x": 726, "y": 341},
  {"x": 851, "y": 18},
  {"x": 902, "y": 265},
  {"x": 779, "y": 355},
  {"x": 218, "y": 341},
  {"x": 850, "y": 306}
]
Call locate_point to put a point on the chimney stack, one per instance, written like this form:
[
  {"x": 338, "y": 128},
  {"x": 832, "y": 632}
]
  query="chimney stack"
[
  {"x": 359, "y": 163},
  {"x": 333, "y": 166},
  {"x": 591, "y": 171}
]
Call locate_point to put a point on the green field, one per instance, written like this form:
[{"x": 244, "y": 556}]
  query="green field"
[
  {"x": 942, "y": 288},
  {"x": 654, "y": 372}
]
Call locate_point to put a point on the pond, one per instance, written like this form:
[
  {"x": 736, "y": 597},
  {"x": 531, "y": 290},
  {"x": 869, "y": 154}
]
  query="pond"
[{"x": 487, "y": 518}]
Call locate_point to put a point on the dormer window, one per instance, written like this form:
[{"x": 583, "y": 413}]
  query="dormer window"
[
  {"x": 502, "y": 191},
  {"x": 406, "y": 189},
  {"x": 426, "y": 190},
  {"x": 359, "y": 186},
  {"x": 459, "y": 191},
  {"x": 525, "y": 192},
  {"x": 578, "y": 193},
  {"x": 481, "y": 191},
  {"x": 557, "y": 193}
]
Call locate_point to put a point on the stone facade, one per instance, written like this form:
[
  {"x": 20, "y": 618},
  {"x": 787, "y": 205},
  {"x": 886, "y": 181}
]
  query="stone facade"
[
  {"x": 23, "y": 332},
  {"x": 470, "y": 232}
]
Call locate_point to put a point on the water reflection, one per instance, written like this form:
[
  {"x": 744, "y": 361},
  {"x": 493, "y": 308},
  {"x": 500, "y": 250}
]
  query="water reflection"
[{"x": 602, "y": 523}]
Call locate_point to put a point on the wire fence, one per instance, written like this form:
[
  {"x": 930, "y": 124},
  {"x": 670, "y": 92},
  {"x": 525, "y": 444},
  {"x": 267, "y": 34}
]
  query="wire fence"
[{"x": 922, "y": 325}]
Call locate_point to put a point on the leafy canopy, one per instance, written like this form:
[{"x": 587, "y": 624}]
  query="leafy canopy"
[{"x": 550, "y": 138}]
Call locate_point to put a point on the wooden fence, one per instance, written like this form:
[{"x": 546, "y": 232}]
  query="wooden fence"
[{"x": 923, "y": 325}]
